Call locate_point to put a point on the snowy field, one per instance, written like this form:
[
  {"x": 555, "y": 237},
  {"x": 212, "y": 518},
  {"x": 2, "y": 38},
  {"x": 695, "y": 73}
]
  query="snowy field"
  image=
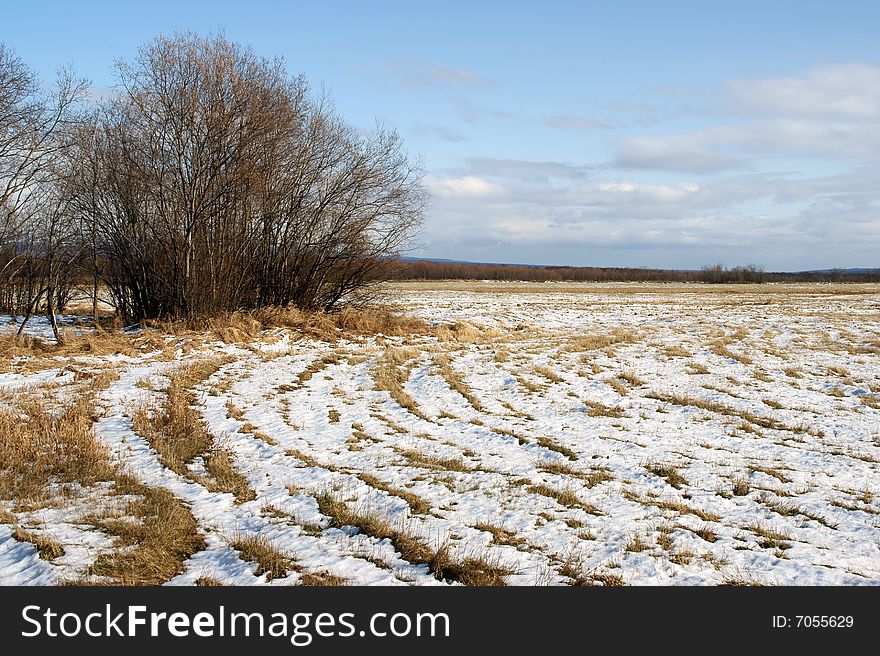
[{"x": 538, "y": 434}]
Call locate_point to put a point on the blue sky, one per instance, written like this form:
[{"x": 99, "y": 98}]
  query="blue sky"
[{"x": 668, "y": 134}]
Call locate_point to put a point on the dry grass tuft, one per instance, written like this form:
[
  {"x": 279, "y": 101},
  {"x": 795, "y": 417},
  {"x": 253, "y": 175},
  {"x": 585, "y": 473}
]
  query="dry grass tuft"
[
  {"x": 430, "y": 461},
  {"x": 179, "y": 435},
  {"x": 46, "y": 547},
  {"x": 417, "y": 504},
  {"x": 39, "y": 447},
  {"x": 258, "y": 549},
  {"x": 501, "y": 535},
  {"x": 552, "y": 445},
  {"x": 598, "y": 409},
  {"x": 667, "y": 472},
  {"x": 391, "y": 372},
  {"x": 152, "y": 548},
  {"x": 470, "y": 571},
  {"x": 565, "y": 497},
  {"x": 444, "y": 366}
]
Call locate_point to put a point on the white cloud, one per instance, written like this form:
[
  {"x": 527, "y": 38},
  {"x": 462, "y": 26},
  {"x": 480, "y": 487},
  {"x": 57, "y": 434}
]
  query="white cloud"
[
  {"x": 688, "y": 152},
  {"x": 848, "y": 90},
  {"x": 468, "y": 186}
]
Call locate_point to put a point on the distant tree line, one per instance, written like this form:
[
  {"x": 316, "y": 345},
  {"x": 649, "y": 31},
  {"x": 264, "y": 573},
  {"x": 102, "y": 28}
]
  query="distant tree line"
[
  {"x": 209, "y": 180},
  {"x": 716, "y": 273}
]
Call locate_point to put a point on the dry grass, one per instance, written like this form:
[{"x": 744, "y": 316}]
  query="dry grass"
[
  {"x": 316, "y": 366},
  {"x": 501, "y": 535},
  {"x": 618, "y": 386},
  {"x": 243, "y": 326},
  {"x": 46, "y": 547},
  {"x": 676, "y": 351},
  {"x": 548, "y": 373},
  {"x": 152, "y": 548},
  {"x": 258, "y": 549},
  {"x": 695, "y": 368},
  {"x": 430, "y": 461},
  {"x": 631, "y": 379},
  {"x": 720, "y": 408},
  {"x": 178, "y": 433},
  {"x": 444, "y": 366},
  {"x": 597, "y": 341},
  {"x": 770, "y": 538},
  {"x": 208, "y": 582},
  {"x": 719, "y": 348},
  {"x": 391, "y": 373},
  {"x": 667, "y": 472},
  {"x": 565, "y": 497},
  {"x": 590, "y": 479},
  {"x": 417, "y": 504},
  {"x": 469, "y": 571},
  {"x": 671, "y": 504},
  {"x": 39, "y": 447},
  {"x": 598, "y": 409},
  {"x": 552, "y": 445}
]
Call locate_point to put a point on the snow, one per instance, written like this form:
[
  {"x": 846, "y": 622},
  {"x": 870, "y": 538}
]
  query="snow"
[{"x": 827, "y": 453}]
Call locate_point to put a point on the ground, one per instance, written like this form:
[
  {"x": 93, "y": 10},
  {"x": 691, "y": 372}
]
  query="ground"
[{"x": 533, "y": 434}]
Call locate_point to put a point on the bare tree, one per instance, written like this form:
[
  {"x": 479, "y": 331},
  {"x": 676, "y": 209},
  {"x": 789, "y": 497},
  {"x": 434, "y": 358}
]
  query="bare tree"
[
  {"x": 215, "y": 181},
  {"x": 35, "y": 132}
]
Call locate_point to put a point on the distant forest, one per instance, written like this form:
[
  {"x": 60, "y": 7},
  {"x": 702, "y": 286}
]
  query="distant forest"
[{"x": 716, "y": 273}]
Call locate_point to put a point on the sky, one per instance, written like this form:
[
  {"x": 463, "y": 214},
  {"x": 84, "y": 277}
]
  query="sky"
[{"x": 662, "y": 134}]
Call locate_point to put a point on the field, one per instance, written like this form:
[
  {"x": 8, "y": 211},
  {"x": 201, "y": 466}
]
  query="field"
[{"x": 526, "y": 434}]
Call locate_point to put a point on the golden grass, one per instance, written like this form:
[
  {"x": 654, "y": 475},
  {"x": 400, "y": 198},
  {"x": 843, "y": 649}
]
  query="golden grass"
[
  {"x": 552, "y": 445},
  {"x": 179, "y": 435},
  {"x": 417, "y": 504},
  {"x": 548, "y": 373},
  {"x": 501, "y": 535},
  {"x": 720, "y": 349},
  {"x": 565, "y": 497},
  {"x": 671, "y": 504},
  {"x": 47, "y": 548},
  {"x": 591, "y": 478},
  {"x": 39, "y": 447},
  {"x": 430, "y": 461},
  {"x": 391, "y": 372},
  {"x": 444, "y": 366},
  {"x": 243, "y": 326},
  {"x": 598, "y": 409},
  {"x": 269, "y": 560},
  {"x": 667, "y": 472},
  {"x": 152, "y": 548},
  {"x": 469, "y": 571}
]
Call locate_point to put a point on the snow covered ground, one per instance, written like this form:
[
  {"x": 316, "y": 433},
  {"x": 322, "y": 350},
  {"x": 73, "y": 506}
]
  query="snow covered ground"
[{"x": 616, "y": 434}]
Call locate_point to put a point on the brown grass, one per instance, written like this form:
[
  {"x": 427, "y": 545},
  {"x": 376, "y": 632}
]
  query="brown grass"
[
  {"x": 470, "y": 571},
  {"x": 552, "y": 445},
  {"x": 258, "y": 549},
  {"x": 667, "y": 472},
  {"x": 179, "y": 435},
  {"x": 152, "y": 548},
  {"x": 598, "y": 409},
  {"x": 39, "y": 447},
  {"x": 719, "y": 348},
  {"x": 565, "y": 497},
  {"x": 501, "y": 535},
  {"x": 548, "y": 373},
  {"x": 242, "y": 326},
  {"x": 430, "y": 461},
  {"x": 444, "y": 366},
  {"x": 392, "y": 371},
  {"x": 417, "y": 504},
  {"x": 46, "y": 547}
]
